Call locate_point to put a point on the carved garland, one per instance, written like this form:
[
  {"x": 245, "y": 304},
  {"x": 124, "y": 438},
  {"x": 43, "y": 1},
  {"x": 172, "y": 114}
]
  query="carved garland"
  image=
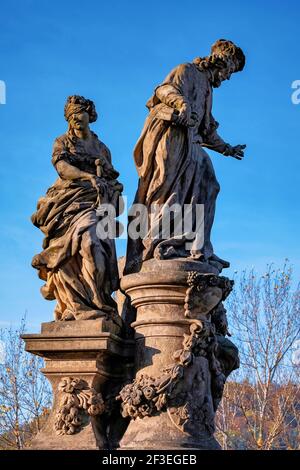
[
  {"x": 78, "y": 402},
  {"x": 147, "y": 396}
]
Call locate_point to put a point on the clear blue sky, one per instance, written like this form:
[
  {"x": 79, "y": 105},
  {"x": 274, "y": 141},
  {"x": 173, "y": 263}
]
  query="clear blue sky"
[{"x": 116, "y": 53}]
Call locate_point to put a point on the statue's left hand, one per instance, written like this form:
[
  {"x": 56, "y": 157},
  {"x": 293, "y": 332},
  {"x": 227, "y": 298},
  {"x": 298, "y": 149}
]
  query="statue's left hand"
[
  {"x": 236, "y": 152},
  {"x": 99, "y": 184},
  {"x": 102, "y": 185}
]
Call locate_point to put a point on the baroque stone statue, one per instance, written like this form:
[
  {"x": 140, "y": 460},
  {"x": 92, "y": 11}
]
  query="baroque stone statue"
[
  {"x": 183, "y": 356},
  {"x": 151, "y": 377},
  {"x": 79, "y": 269},
  {"x": 172, "y": 164}
]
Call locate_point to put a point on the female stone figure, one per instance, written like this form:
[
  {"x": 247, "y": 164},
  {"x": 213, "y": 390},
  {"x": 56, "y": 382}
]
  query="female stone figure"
[
  {"x": 172, "y": 165},
  {"x": 79, "y": 270}
]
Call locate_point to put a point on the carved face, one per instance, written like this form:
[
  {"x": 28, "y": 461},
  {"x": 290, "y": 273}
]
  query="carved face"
[
  {"x": 223, "y": 72},
  {"x": 202, "y": 303},
  {"x": 79, "y": 121}
]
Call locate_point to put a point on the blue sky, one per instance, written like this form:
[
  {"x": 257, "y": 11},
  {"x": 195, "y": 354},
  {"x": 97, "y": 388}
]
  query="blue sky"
[{"x": 116, "y": 53}]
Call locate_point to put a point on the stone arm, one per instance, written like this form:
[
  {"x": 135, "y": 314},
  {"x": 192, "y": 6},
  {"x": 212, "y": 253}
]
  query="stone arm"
[
  {"x": 171, "y": 96},
  {"x": 70, "y": 172},
  {"x": 109, "y": 171},
  {"x": 66, "y": 170},
  {"x": 213, "y": 141}
]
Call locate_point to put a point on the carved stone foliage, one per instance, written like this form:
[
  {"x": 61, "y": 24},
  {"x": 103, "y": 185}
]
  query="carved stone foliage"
[
  {"x": 175, "y": 390},
  {"x": 77, "y": 403},
  {"x": 190, "y": 389},
  {"x": 191, "y": 410}
]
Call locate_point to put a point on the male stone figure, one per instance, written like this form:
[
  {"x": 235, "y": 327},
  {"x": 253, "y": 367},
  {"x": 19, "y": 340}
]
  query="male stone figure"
[
  {"x": 172, "y": 165},
  {"x": 80, "y": 270}
]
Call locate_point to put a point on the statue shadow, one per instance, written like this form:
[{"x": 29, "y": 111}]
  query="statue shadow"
[{"x": 144, "y": 353}]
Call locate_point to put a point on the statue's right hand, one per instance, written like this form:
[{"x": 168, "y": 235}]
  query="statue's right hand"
[
  {"x": 184, "y": 115},
  {"x": 238, "y": 151}
]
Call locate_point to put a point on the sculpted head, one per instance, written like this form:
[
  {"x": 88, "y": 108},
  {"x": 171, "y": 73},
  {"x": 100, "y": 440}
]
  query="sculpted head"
[
  {"x": 204, "y": 293},
  {"x": 79, "y": 112},
  {"x": 225, "y": 59}
]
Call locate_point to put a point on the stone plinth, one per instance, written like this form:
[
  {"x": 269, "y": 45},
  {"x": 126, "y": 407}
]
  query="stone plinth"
[
  {"x": 176, "y": 410},
  {"x": 86, "y": 362}
]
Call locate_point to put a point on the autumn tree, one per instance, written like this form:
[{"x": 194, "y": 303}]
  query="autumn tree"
[
  {"x": 260, "y": 408},
  {"x": 24, "y": 392}
]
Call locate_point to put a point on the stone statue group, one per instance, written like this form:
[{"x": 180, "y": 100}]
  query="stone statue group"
[
  {"x": 171, "y": 284},
  {"x": 79, "y": 269}
]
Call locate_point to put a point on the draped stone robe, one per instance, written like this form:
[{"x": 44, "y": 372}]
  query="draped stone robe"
[
  {"x": 174, "y": 168},
  {"x": 80, "y": 270}
]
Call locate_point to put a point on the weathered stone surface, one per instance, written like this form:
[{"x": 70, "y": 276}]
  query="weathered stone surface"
[
  {"x": 172, "y": 165},
  {"x": 94, "y": 358},
  {"x": 72, "y": 338},
  {"x": 182, "y": 354},
  {"x": 79, "y": 269},
  {"x": 171, "y": 291},
  {"x": 178, "y": 378}
]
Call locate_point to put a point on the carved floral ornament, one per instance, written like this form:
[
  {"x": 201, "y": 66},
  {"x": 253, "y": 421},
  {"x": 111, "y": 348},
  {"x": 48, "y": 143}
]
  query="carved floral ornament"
[
  {"x": 78, "y": 402},
  {"x": 147, "y": 395}
]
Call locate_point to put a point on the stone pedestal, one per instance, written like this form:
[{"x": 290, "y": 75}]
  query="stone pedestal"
[
  {"x": 86, "y": 362},
  {"x": 170, "y": 401}
]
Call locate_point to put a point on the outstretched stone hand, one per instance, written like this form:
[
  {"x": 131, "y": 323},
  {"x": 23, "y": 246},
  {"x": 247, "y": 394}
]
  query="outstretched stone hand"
[{"x": 236, "y": 152}]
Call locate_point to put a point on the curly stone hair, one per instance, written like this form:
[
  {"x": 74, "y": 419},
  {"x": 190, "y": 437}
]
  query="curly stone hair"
[
  {"x": 198, "y": 283},
  {"x": 221, "y": 51},
  {"x": 76, "y": 103}
]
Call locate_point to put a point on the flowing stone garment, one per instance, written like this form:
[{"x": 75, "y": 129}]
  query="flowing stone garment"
[
  {"x": 172, "y": 165},
  {"x": 80, "y": 270}
]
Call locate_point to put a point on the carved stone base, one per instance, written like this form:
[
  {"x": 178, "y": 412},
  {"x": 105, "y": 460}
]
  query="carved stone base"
[
  {"x": 188, "y": 421},
  {"x": 170, "y": 402},
  {"x": 86, "y": 362},
  {"x": 158, "y": 432}
]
